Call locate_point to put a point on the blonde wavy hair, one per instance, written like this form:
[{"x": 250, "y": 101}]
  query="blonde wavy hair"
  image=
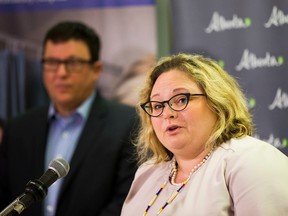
[{"x": 224, "y": 97}]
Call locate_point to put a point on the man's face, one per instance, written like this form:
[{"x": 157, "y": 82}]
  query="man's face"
[{"x": 68, "y": 85}]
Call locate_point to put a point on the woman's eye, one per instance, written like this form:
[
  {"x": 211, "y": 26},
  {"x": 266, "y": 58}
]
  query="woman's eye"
[
  {"x": 157, "y": 106},
  {"x": 182, "y": 100}
]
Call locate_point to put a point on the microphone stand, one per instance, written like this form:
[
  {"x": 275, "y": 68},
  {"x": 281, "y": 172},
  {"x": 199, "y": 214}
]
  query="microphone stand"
[
  {"x": 14, "y": 208},
  {"x": 34, "y": 191}
]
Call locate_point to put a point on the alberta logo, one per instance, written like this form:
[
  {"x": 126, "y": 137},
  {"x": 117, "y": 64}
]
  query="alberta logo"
[
  {"x": 250, "y": 61},
  {"x": 275, "y": 141},
  {"x": 280, "y": 101},
  {"x": 277, "y": 18},
  {"x": 251, "y": 103},
  {"x": 218, "y": 23}
]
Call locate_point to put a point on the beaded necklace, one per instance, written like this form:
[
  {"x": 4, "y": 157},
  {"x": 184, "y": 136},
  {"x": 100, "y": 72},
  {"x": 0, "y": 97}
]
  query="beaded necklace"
[{"x": 171, "y": 178}]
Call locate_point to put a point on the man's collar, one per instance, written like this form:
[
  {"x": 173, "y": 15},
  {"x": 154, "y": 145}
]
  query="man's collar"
[{"x": 82, "y": 110}]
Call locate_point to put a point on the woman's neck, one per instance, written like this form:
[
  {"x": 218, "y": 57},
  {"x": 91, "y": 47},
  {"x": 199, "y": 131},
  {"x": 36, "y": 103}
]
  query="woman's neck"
[{"x": 186, "y": 166}]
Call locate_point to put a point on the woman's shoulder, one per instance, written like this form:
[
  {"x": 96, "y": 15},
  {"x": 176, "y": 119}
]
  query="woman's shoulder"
[
  {"x": 248, "y": 145},
  {"x": 254, "y": 171},
  {"x": 251, "y": 153}
]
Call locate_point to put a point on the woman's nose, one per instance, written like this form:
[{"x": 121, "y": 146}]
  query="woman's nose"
[{"x": 168, "y": 112}]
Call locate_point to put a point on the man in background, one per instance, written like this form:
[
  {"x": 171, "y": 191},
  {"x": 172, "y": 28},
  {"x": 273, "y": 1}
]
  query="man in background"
[{"x": 91, "y": 133}]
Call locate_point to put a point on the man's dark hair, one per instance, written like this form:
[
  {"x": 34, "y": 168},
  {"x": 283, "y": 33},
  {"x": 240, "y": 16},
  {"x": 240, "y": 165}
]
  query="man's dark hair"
[{"x": 67, "y": 30}]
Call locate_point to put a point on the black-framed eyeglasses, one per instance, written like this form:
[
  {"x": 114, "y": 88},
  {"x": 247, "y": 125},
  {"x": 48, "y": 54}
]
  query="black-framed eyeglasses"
[
  {"x": 177, "y": 103},
  {"x": 71, "y": 65}
]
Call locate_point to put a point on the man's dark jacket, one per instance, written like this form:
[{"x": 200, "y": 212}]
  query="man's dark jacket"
[{"x": 101, "y": 169}]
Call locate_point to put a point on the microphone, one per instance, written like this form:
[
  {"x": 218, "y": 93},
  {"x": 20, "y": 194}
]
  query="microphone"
[{"x": 36, "y": 190}]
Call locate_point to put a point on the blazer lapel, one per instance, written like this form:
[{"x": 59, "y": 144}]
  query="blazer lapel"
[
  {"x": 40, "y": 124},
  {"x": 89, "y": 137}
]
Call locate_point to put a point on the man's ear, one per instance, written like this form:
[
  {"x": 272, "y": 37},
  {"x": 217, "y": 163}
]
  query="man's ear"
[{"x": 97, "y": 68}]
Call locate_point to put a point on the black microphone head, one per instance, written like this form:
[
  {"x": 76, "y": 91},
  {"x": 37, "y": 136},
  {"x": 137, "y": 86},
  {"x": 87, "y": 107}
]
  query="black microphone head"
[
  {"x": 60, "y": 166},
  {"x": 36, "y": 190}
]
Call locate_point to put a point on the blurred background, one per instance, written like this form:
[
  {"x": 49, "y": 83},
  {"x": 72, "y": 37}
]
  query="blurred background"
[{"x": 247, "y": 38}]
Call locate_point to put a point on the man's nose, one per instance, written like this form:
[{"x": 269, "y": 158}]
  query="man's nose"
[{"x": 62, "y": 69}]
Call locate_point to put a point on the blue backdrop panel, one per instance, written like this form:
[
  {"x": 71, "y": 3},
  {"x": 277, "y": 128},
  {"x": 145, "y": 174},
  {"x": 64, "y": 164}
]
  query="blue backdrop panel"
[
  {"x": 249, "y": 39},
  {"x": 26, "y": 5}
]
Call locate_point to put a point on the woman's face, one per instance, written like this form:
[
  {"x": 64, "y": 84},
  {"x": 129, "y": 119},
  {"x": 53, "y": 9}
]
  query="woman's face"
[{"x": 184, "y": 133}]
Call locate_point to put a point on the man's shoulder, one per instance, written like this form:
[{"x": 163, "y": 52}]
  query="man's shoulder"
[
  {"x": 113, "y": 106},
  {"x": 31, "y": 115}
]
